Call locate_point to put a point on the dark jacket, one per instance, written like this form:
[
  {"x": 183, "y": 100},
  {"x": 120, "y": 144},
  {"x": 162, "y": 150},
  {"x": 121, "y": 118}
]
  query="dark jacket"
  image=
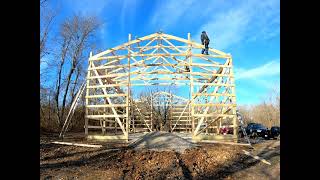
[{"x": 204, "y": 38}]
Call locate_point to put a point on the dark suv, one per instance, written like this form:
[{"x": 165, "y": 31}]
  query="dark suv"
[
  {"x": 275, "y": 132},
  {"x": 257, "y": 130}
]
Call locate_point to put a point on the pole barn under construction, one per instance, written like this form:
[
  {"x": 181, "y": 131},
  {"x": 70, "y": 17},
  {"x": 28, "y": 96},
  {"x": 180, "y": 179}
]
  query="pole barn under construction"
[{"x": 160, "y": 59}]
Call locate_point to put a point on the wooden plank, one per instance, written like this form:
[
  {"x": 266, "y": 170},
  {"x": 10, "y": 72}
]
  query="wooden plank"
[
  {"x": 105, "y": 116},
  {"x": 184, "y": 120},
  {"x": 129, "y": 89},
  {"x": 221, "y": 142},
  {"x": 215, "y": 84},
  {"x": 109, "y": 101},
  {"x": 214, "y": 94},
  {"x": 143, "y": 117},
  {"x": 106, "y": 95},
  {"x": 120, "y": 57},
  {"x": 222, "y": 71},
  {"x": 158, "y": 79},
  {"x": 213, "y": 115},
  {"x": 99, "y": 127},
  {"x": 187, "y": 105},
  {"x": 211, "y": 65},
  {"x": 77, "y": 144},
  {"x": 161, "y": 72},
  {"x": 193, "y": 44},
  {"x": 235, "y": 119},
  {"x": 166, "y": 36},
  {"x": 212, "y": 122},
  {"x": 256, "y": 157},
  {"x": 105, "y": 85},
  {"x": 105, "y": 137},
  {"x": 211, "y": 104},
  {"x": 106, "y": 105},
  {"x": 180, "y": 116},
  {"x": 140, "y": 65},
  {"x": 171, "y": 44},
  {"x": 124, "y": 45}
]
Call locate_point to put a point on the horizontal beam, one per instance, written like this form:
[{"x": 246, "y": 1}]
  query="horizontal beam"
[
  {"x": 77, "y": 144},
  {"x": 213, "y": 94},
  {"x": 101, "y": 127},
  {"x": 100, "y": 119},
  {"x": 210, "y": 65},
  {"x": 159, "y": 64},
  {"x": 156, "y": 55},
  {"x": 106, "y": 105},
  {"x": 107, "y": 95},
  {"x": 210, "y": 104},
  {"x": 161, "y": 72},
  {"x": 104, "y": 137},
  {"x": 106, "y": 116},
  {"x": 213, "y": 115}
]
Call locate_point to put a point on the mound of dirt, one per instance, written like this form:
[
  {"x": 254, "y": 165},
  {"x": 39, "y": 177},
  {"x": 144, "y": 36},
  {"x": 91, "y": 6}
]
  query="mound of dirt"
[{"x": 162, "y": 141}]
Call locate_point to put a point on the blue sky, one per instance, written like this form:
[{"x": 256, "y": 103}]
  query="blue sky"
[{"x": 249, "y": 30}]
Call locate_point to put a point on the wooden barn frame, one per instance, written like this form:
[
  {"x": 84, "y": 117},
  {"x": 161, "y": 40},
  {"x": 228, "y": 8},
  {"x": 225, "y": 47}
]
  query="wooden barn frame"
[{"x": 160, "y": 59}]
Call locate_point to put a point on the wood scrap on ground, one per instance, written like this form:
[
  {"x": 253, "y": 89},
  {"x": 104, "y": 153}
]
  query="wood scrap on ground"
[
  {"x": 256, "y": 157},
  {"x": 76, "y": 144},
  {"x": 221, "y": 142}
]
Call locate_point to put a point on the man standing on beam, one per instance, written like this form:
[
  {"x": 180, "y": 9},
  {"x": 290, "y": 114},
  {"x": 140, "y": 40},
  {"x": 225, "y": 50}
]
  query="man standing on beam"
[{"x": 205, "y": 41}]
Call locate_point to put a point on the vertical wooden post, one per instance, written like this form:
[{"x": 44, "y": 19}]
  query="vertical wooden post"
[
  {"x": 104, "y": 110},
  {"x": 191, "y": 82},
  {"x": 234, "y": 108},
  {"x": 115, "y": 127},
  {"x": 206, "y": 100},
  {"x": 219, "y": 127},
  {"x": 170, "y": 114},
  {"x": 128, "y": 95},
  {"x": 133, "y": 119},
  {"x": 151, "y": 115},
  {"x": 86, "y": 121}
]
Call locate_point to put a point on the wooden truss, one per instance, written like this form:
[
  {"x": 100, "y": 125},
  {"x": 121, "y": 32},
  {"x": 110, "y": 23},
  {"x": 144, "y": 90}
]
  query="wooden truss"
[{"x": 160, "y": 60}]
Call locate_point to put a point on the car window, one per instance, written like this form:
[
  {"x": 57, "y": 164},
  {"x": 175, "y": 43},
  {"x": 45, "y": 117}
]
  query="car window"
[{"x": 259, "y": 126}]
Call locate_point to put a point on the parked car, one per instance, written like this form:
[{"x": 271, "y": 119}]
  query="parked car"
[
  {"x": 255, "y": 130},
  {"x": 274, "y": 132},
  {"x": 226, "y": 130}
]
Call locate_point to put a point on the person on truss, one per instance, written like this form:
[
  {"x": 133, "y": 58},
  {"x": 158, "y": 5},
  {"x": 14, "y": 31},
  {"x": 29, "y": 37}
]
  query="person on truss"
[{"x": 205, "y": 41}]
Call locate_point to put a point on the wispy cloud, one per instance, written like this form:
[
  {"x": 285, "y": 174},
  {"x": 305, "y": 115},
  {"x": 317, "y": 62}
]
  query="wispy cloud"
[
  {"x": 169, "y": 12},
  {"x": 266, "y": 70},
  {"x": 254, "y": 84},
  {"x": 266, "y": 76},
  {"x": 128, "y": 11},
  {"x": 227, "y": 23},
  {"x": 248, "y": 21}
]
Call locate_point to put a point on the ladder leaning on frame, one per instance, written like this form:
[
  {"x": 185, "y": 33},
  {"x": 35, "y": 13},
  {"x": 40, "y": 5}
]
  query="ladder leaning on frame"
[
  {"x": 242, "y": 128},
  {"x": 72, "y": 109}
]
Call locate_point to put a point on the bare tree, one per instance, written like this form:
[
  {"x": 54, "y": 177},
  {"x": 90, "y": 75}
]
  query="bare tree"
[
  {"x": 46, "y": 20},
  {"x": 76, "y": 35},
  {"x": 161, "y": 111},
  {"x": 267, "y": 112}
]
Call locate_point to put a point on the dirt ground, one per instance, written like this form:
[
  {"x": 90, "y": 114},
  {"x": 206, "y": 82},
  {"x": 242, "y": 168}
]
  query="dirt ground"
[{"x": 118, "y": 161}]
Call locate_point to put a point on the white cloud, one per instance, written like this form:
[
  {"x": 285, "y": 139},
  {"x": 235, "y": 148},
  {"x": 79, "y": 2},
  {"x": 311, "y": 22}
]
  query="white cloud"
[
  {"x": 249, "y": 21},
  {"x": 169, "y": 12},
  {"x": 266, "y": 76},
  {"x": 269, "y": 69},
  {"x": 128, "y": 11},
  {"x": 226, "y": 23}
]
